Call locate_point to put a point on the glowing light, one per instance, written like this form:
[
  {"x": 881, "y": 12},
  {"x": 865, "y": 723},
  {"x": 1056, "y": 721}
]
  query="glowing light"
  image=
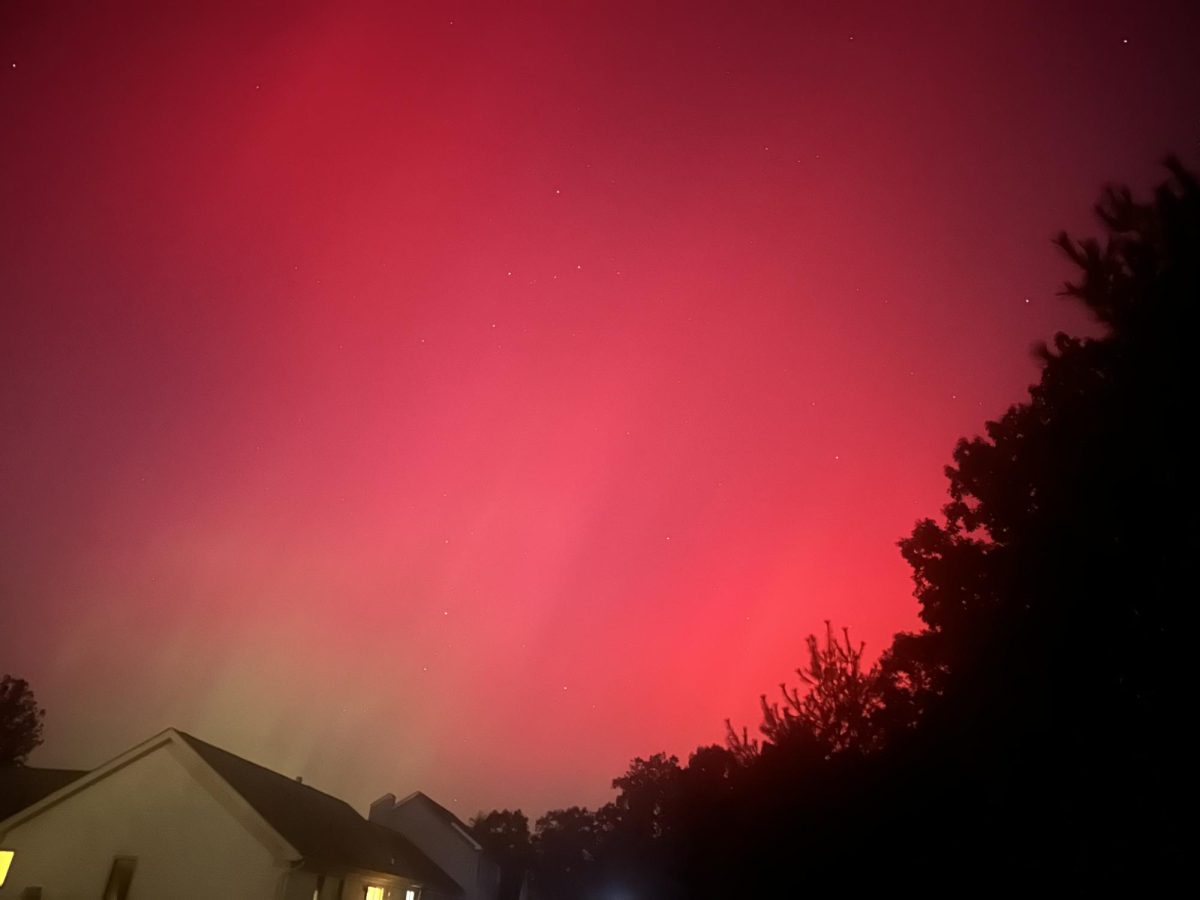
[
  {"x": 6, "y": 858},
  {"x": 374, "y": 893}
]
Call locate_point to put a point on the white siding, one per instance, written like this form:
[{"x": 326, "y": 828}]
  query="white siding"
[
  {"x": 443, "y": 843},
  {"x": 188, "y": 846}
]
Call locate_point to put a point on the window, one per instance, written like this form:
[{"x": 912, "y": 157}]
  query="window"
[
  {"x": 374, "y": 893},
  {"x": 120, "y": 878},
  {"x": 6, "y": 858},
  {"x": 410, "y": 894}
]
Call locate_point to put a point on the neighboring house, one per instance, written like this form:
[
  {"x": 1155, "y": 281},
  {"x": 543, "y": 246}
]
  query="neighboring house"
[
  {"x": 444, "y": 838},
  {"x": 175, "y": 818}
]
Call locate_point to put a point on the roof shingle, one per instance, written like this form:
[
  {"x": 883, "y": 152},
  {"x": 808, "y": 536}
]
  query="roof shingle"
[{"x": 322, "y": 828}]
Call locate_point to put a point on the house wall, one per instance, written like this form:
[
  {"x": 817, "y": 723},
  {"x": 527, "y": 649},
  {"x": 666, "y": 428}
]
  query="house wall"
[
  {"x": 186, "y": 843},
  {"x": 300, "y": 886},
  {"x": 356, "y": 887},
  {"x": 353, "y": 886},
  {"x": 444, "y": 844}
]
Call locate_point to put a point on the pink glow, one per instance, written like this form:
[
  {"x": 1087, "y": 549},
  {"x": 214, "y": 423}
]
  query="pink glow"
[{"x": 470, "y": 401}]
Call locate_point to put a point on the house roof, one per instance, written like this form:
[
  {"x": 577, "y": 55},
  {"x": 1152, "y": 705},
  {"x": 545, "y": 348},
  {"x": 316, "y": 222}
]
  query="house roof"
[
  {"x": 441, "y": 812},
  {"x": 322, "y": 828},
  {"x": 22, "y": 786}
]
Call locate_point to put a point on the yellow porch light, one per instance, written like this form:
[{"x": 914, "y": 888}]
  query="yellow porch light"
[{"x": 6, "y": 858}]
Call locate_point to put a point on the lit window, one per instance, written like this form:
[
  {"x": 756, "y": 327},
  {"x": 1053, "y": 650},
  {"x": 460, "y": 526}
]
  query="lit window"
[
  {"x": 120, "y": 878},
  {"x": 6, "y": 858},
  {"x": 374, "y": 893},
  {"x": 410, "y": 894}
]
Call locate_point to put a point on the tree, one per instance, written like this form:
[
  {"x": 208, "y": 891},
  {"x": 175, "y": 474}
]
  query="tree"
[
  {"x": 1055, "y": 646},
  {"x": 505, "y": 835},
  {"x": 565, "y": 844},
  {"x": 502, "y": 831},
  {"x": 1039, "y": 724},
  {"x": 647, "y": 795},
  {"x": 20, "y": 721},
  {"x": 642, "y": 828},
  {"x": 835, "y": 712}
]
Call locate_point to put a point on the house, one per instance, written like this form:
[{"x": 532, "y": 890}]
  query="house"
[
  {"x": 175, "y": 818},
  {"x": 444, "y": 838}
]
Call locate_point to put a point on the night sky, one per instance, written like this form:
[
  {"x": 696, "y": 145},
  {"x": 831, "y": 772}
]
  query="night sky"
[{"x": 473, "y": 398}]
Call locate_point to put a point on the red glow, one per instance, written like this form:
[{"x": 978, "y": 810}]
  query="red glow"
[{"x": 473, "y": 400}]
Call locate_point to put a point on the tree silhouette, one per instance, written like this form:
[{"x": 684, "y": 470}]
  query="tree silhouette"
[
  {"x": 647, "y": 795},
  {"x": 1038, "y": 726},
  {"x": 565, "y": 853},
  {"x": 837, "y": 709},
  {"x": 1054, "y": 649},
  {"x": 505, "y": 835},
  {"x": 20, "y": 721}
]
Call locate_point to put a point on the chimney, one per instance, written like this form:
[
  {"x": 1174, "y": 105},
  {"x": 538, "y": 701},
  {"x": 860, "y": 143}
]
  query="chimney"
[{"x": 381, "y": 807}]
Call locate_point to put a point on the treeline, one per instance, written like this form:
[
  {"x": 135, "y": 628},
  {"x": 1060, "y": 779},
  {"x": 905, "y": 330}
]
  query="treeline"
[{"x": 1035, "y": 730}]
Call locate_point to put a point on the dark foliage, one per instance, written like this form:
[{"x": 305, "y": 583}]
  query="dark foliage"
[
  {"x": 20, "y": 721},
  {"x": 1035, "y": 730},
  {"x": 505, "y": 835}
]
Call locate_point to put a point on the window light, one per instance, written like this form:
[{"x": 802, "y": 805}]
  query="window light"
[
  {"x": 6, "y": 858},
  {"x": 374, "y": 893}
]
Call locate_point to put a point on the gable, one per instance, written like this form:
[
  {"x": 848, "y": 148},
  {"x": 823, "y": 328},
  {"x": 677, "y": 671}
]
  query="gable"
[
  {"x": 422, "y": 801},
  {"x": 163, "y": 747},
  {"x": 185, "y": 839},
  {"x": 289, "y": 821}
]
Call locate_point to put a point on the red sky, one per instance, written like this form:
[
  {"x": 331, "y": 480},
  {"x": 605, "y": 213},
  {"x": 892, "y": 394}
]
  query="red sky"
[{"x": 472, "y": 398}]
